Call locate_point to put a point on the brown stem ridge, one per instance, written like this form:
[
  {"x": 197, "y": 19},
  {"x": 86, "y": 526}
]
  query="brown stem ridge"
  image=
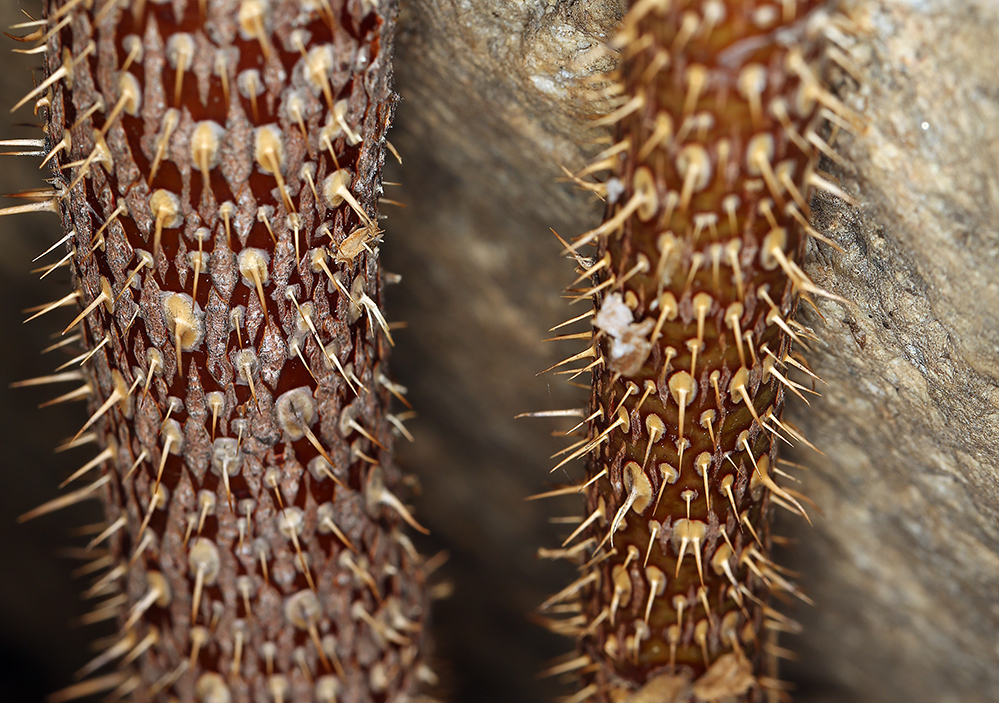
[
  {"x": 217, "y": 165},
  {"x": 696, "y": 280}
]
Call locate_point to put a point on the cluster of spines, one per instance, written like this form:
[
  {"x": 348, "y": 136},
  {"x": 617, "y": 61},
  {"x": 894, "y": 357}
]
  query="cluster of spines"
[
  {"x": 696, "y": 282},
  {"x": 216, "y": 167}
]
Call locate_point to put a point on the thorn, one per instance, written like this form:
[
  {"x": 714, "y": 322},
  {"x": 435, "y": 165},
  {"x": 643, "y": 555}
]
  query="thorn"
[
  {"x": 340, "y": 119},
  {"x": 65, "y": 239},
  {"x": 395, "y": 153},
  {"x": 374, "y": 312},
  {"x": 222, "y": 71},
  {"x": 165, "y": 208},
  {"x": 377, "y": 493},
  {"x": 98, "y": 106},
  {"x": 566, "y": 667},
  {"x": 689, "y": 532},
  {"x": 654, "y": 528},
  {"x": 44, "y": 206},
  {"x": 588, "y": 313},
  {"x": 113, "y": 575},
  {"x": 145, "y": 261},
  {"x": 253, "y": 265},
  {"x": 64, "y": 10},
  {"x": 105, "y": 610},
  {"x": 395, "y": 389},
  {"x": 103, "y": 297},
  {"x": 314, "y": 441},
  {"x": 108, "y": 453},
  {"x": 245, "y": 366},
  {"x": 171, "y": 677},
  {"x": 154, "y": 361},
  {"x": 636, "y": 103},
  {"x": 207, "y": 500},
  {"x": 570, "y": 590},
  {"x": 37, "y": 194},
  {"x": 85, "y": 439},
  {"x": 610, "y": 225},
  {"x": 153, "y": 504},
  {"x": 600, "y": 513},
  {"x": 332, "y": 358},
  {"x": 146, "y": 541},
  {"x": 570, "y": 412},
  {"x": 363, "y": 575},
  {"x": 98, "y": 239},
  {"x": 244, "y": 589},
  {"x": 98, "y": 564},
  {"x": 328, "y": 523},
  {"x": 568, "y": 490},
  {"x": 86, "y": 356},
  {"x": 595, "y": 442},
  {"x": 87, "y": 688},
  {"x": 296, "y": 347},
  {"x": 761, "y": 471},
  {"x": 65, "y": 71},
  {"x": 34, "y": 145},
  {"x": 52, "y": 378},
  {"x": 817, "y": 181},
  {"x": 64, "y": 261},
  {"x": 292, "y": 533},
  {"x": 33, "y": 36},
  {"x": 251, "y": 20},
  {"x": 397, "y": 422},
  {"x": 147, "y": 642},
  {"x": 114, "y": 527},
  {"x": 170, "y": 121},
  {"x": 100, "y": 153},
  {"x": 129, "y": 102},
  {"x": 336, "y": 191},
  {"x": 263, "y": 566},
  {"x": 657, "y": 584},
  {"x": 156, "y": 592},
  {"x": 795, "y": 434},
  {"x": 295, "y": 106},
  {"x": 590, "y": 352},
  {"x": 269, "y": 152},
  {"x": 571, "y": 553},
  {"x": 353, "y": 424},
  {"x": 167, "y": 443},
  {"x": 251, "y": 86},
  {"x": 180, "y": 53},
  {"x": 64, "y": 501}
]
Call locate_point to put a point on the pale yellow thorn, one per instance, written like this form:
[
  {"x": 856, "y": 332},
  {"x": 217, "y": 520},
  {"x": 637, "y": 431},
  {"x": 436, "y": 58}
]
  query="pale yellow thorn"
[{"x": 65, "y": 500}]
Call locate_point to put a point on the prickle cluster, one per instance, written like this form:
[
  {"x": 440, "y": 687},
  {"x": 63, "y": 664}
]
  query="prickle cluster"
[
  {"x": 696, "y": 281},
  {"x": 217, "y": 166}
]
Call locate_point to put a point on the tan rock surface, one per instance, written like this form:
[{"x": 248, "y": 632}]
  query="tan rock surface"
[{"x": 904, "y": 560}]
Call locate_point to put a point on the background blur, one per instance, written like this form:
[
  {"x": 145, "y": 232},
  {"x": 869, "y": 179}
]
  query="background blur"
[{"x": 904, "y": 559}]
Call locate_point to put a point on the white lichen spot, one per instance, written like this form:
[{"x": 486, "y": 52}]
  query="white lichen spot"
[{"x": 629, "y": 344}]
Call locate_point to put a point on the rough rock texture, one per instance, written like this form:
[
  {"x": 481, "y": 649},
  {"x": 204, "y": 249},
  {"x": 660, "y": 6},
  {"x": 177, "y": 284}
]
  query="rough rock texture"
[
  {"x": 481, "y": 283},
  {"x": 903, "y": 563}
]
